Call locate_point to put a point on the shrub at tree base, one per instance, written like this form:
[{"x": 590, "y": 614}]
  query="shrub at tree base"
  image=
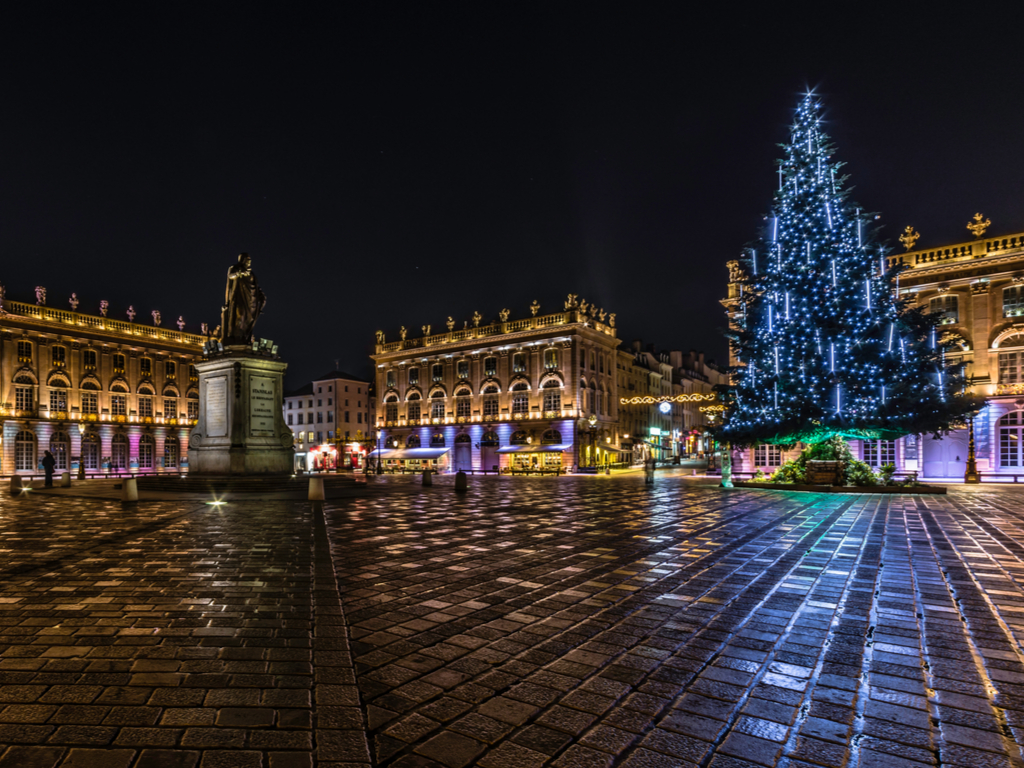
[{"x": 834, "y": 449}]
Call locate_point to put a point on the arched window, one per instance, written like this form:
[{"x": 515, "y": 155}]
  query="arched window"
[
  {"x": 119, "y": 364},
  {"x": 391, "y": 442},
  {"x": 146, "y": 448},
  {"x": 437, "y": 440},
  {"x": 413, "y": 441},
  {"x": 463, "y": 403},
  {"x": 391, "y": 407},
  {"x": 437, "y": 405},
  {"x": 58, "y": 400},
  {"x": 60, "y": 447},
  {"x": 551, "y": 437},
  {"x": 58, "y": 356},
  {"x": 463, "y": 438},
  {"x": 518, "y": 438},
  {"x": 520, "y": 399},
  {"x": 89, "y": 359},
  {"x": 389, "y": 379},
  {"x": 552, "y": 395},
  {"x": 550, "y": 359},
  {"x": 193, "y": 406},
  {"x": 25, "y": 452},
  {"x": 170, "y": 452},
  {"x": 413, "y": 406},
  {"x": 91, "y": 451},
  {"x": 119, "y": 451},
  {"x": 1011, "y": 432},
  {"x": 489, "y": 438},
  {"x": 490, "y": 405}
]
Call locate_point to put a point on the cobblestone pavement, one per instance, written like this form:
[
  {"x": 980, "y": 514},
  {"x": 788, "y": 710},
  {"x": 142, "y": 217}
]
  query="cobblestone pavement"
[{"x": 531, "y": 622}]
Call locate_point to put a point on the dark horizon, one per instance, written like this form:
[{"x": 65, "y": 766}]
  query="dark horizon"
[{"x": 387, "y": 169}]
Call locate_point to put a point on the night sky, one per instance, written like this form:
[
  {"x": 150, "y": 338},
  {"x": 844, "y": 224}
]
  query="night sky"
[{"x": 390, "y": 165}]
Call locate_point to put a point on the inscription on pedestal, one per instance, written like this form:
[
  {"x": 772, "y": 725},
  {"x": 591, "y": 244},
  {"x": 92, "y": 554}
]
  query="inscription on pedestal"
[
  {"x": 262, "y": 404},
  {"x": 216, "y": 407}
]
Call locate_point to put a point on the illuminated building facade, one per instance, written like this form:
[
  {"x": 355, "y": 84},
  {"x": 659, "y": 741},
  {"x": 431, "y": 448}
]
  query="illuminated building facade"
[
  {"x": 116, "y": 396},
  {"x": 330, "y": 420},
  {"x": 664, "y": 430},
  {"x": 978, "y": 289},
  {"x": 534, "y": 393}
]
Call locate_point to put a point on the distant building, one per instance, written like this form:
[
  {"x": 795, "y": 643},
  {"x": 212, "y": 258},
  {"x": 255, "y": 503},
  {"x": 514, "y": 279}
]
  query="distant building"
[
  {"x": 664, "y": 430},
  {"x": 117, "y": 396},
  {"x": 330, "y": 419},
  {"x": 537, "y": 392}
]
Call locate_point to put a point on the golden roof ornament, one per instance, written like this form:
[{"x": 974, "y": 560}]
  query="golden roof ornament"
[
  {"x": 450, "y": 323},
  {"x": 535, "y": 307},
  {"x": 909, "y": 237},
  {"x": 977, "y": 226}
]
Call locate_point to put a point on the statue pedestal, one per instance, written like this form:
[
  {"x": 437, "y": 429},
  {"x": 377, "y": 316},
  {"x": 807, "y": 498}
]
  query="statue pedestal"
[{"x": 241, "y": 429}]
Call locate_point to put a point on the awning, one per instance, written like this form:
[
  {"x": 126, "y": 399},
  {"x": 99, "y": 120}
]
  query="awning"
[
  {"x": 535, "y": 448},
  {"x": 410, "y": 453}
]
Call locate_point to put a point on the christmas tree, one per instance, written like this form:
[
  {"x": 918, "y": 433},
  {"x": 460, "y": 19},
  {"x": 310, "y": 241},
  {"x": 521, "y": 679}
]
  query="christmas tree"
[{"x": 825, "y": 345}]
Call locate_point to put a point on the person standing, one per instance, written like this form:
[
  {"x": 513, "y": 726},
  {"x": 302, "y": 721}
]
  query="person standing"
[{"x": 49, "y": 463}]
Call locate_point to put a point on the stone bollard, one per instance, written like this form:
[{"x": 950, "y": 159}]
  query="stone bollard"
[
  {"x": 129, "y": 490},
  {"x": 460, "y": 481},
  {"x": 65, "y": 479},
  {"x": 428, "y": 478},
  {"x": 316, "y": 489},
  {"x": 16, "y": 485}
]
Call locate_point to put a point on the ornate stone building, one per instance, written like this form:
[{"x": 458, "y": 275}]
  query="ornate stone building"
[
  {"x": 978, "y": 289},
  {"x": 538, "y": 392},
  {"x": 115, "y": 395}
]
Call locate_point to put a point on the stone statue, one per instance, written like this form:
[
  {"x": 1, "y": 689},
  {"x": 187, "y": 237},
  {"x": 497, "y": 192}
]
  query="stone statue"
[
  {"x": 450, "y": 323},
  {"x": 477, "y": 317},
  {"x": 402, "y": 332},
  {"x": 73, "y": 301},
  {"x": 380, "y": 337},
  {"x": 104, "y": 306},
  {"x": 40, "y": 295},
  {"x": 243, "y": 303},
  {"x": 504, "y": 315},
  {"x": 611, "y": 319},
  {"x": 535, "y": 307}
]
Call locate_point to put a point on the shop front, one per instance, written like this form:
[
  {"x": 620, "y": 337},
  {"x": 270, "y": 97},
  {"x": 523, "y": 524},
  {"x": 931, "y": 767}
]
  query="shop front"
[
  {"x": 411, "y": 459},
  {"x": 535, "y": 458}
]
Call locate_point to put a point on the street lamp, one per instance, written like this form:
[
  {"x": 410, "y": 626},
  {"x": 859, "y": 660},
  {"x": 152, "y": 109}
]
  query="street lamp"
[
  {"x": 81, "y": 452},
  {"x": 380, "y": 452}
]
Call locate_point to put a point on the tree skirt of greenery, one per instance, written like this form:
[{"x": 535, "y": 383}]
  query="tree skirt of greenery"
[{"x": 818, "y": 435}]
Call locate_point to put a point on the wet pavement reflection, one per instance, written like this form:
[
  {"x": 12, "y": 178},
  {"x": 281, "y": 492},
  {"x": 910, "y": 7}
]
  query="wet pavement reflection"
[{"x": 528, "y": 622}]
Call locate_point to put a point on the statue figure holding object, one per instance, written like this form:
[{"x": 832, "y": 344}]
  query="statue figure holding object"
[{"x": 243, "y": 303}]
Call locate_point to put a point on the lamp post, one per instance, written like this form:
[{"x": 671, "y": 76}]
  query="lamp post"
[
  {"x": 380, "y": 465},
  {"x": 81, "y": 453},
  {"x": 971, "y": 475}
]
